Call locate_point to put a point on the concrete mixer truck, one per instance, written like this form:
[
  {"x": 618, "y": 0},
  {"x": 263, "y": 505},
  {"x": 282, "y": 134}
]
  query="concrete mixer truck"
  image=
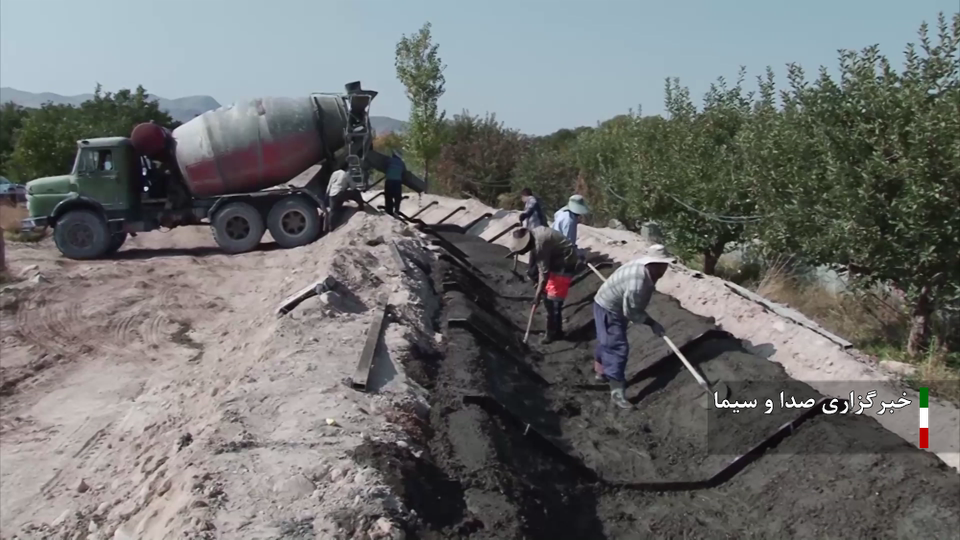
[{"x": 225, "y": 168}]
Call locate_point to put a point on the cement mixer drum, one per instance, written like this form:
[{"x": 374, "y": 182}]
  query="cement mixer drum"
[{"x": 257, "y": 144}]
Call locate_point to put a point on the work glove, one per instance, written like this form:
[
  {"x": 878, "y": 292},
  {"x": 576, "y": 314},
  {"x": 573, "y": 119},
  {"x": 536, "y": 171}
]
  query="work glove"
[{"x": 657, "y": 329}]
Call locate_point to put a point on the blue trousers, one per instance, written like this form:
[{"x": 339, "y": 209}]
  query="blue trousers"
[{"x": 612, "y": 346}]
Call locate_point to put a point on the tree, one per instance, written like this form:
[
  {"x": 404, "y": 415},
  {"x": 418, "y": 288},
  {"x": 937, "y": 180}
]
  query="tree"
[
  {"x": 12, "y": 117},
  {"x": 47, "y": 140},
  {"x": 386, "y": 144},
  {"x": 872, "y": 180},
  {"x": 478, "y": 157},
  {"x": 420, "y": 70}
]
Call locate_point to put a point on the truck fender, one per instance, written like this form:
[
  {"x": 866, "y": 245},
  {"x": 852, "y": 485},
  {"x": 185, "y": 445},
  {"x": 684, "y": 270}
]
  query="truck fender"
[
  {"x": 315, "y": 198},
  {"x": 73, "y": 202}
]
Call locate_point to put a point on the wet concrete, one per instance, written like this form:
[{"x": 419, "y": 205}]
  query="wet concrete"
[{"x": 532, "y": 448}]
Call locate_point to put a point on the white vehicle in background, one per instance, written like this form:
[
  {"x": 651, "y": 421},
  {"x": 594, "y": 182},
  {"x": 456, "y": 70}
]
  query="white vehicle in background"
[{"x": 10, "y": 191}]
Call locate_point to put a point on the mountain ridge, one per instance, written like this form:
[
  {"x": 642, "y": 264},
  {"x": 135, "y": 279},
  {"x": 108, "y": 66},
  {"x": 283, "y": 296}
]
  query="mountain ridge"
[{"x": 182, "y": 109}]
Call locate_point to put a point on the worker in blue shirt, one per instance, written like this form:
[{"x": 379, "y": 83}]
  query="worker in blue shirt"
[
  {"x": 566, "y": 219},
  {"x": 531, "y": 218},
  {"x": 393, "y": 186}
]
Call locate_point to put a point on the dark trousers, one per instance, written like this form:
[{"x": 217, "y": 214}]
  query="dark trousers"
[
  {"x": 392, "y": 195},
  {"x": 554, "y": 308},
  {"x": 336, "y": 207},
  {"x": 612, "y": 345}
]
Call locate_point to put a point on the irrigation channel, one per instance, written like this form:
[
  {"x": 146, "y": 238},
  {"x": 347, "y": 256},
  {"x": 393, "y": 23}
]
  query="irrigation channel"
[{"x": 522, "y": 443}]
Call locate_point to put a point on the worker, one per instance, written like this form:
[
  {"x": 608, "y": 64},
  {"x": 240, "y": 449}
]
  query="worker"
[
  {"x": 532, "y": 215},
  {"x": 623, "y": 298},
  {"x": 556, "y": 263},
  {"x": 393, "y": 186},
  {"x": 531, "y": 218},
  {"x": 339, "y": 190},
  {"x": 566, "y": 219}
]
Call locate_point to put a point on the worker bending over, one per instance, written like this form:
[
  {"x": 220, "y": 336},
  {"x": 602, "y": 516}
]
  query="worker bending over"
[
  {"x": 566, "y": 219},
  {"x": 556, "y": 262},
  {"x": 624, "y": 298},
  {"x": 339, "y": 190},
  {"x": 393, "y": 185}
]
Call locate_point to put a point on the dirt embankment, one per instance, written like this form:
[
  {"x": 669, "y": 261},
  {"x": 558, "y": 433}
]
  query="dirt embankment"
[
  {"x": 157, "y": 394},
  {"x": 523, "y": 445}
]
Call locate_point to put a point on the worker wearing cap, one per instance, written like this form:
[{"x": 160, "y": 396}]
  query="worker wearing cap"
[
  {"x": 393, "y": 185},
  {"x": 621, "y": 299},
  {"x": 339, "y": 190},
  {"x": 556, "y": 263},
  {"x": 566, "y": 219}
]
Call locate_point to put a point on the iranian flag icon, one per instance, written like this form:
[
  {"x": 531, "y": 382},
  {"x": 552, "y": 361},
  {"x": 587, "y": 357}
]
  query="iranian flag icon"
[{"x": 924, "y": 419}]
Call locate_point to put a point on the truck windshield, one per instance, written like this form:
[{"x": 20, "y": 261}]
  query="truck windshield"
[{"x": 93, "y": 160}]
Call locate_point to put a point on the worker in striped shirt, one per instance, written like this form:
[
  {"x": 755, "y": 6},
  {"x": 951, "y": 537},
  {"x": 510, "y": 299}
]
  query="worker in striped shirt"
[{"x": 624, "y": 298}]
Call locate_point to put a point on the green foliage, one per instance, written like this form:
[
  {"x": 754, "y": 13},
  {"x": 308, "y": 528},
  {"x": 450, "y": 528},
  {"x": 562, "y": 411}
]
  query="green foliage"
[
  {"x": 549, "y": 167},
  {"x": 11, "y": 120},
  {"x": 420, "y": 70},
  {"x": 478, "y": 157},
  {"x": 386, "y": 144},
  {"x": 869, "y": 177},
  {"x": 46, "y": 142}
]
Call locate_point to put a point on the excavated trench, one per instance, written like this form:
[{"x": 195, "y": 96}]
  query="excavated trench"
[{"x": 523, "y": 444}]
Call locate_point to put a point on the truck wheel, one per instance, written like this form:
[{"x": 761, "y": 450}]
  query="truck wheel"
[
  {"x": 293, "y": 222},
  {"x": 82, "y": 235},
  {"x": 116, "y": 242},
  {"x": 237, "y": 227}
]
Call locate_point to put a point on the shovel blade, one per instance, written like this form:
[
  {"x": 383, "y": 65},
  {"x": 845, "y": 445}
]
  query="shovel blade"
[{"x": 722, "y": 391}]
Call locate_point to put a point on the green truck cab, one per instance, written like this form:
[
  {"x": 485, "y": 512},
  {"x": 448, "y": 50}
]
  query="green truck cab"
[{"x": 87, "y": 207}]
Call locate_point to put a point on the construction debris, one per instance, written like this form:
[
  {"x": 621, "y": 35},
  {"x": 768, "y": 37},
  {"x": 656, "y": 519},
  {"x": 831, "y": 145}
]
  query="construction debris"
[
  {"x": 362, "y": 375},
  {"x": 319, "y": 287}
]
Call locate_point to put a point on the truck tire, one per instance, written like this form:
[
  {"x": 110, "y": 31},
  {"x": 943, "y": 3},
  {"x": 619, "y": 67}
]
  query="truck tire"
[
  {"x": 237, "y": 227},
  {"x": 293, "y": 222},
  {"x": 116, "y": 242},
  {"x": 82, "y": 235}
]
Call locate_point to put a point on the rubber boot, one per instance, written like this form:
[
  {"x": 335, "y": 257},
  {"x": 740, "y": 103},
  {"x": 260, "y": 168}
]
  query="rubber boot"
[
  {"x": 558, "y": 319},
  {"x": 617, "y": 389},
  {"x": 551, "y": 336}
]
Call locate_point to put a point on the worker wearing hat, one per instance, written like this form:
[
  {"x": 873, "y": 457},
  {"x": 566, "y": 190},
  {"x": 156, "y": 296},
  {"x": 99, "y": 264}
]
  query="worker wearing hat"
[
  {"x": 556, "y": 262},
  {"x": 623, "y": 298},
  {"x": 566, "y": 219},
  {"x": 393, "y": 185}
]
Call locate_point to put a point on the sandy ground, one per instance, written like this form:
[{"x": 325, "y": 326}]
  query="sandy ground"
[
  {"x": 158, "y": 395},
  {"x": 806, "y": 355}
]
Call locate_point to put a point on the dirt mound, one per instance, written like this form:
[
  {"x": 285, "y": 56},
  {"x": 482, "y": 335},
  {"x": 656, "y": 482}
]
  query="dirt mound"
[{"x": 158, "y": 395}]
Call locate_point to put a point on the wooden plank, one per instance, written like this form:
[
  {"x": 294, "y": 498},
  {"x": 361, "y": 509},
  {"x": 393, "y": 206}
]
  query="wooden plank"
[
  {"x": 398, "y": 257},
  {"x": 315, "y": 288},
  {"x": 362, "y": 375},
  {"x": 789, "y": 314}
]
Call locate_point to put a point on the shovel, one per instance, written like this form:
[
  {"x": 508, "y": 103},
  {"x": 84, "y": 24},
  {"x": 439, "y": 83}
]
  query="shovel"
[
  {"x": 720, "y": 389},
  {"x": 526, "y": 335}
]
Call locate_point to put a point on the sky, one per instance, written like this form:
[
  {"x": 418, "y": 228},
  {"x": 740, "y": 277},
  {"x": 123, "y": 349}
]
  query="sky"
[{"x": 539, "y": 65}]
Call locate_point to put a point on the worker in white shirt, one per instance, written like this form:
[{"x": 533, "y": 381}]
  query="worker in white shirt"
[
  {"x": 566, "y": 219},
  {"x": 339, "y": 190}
]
